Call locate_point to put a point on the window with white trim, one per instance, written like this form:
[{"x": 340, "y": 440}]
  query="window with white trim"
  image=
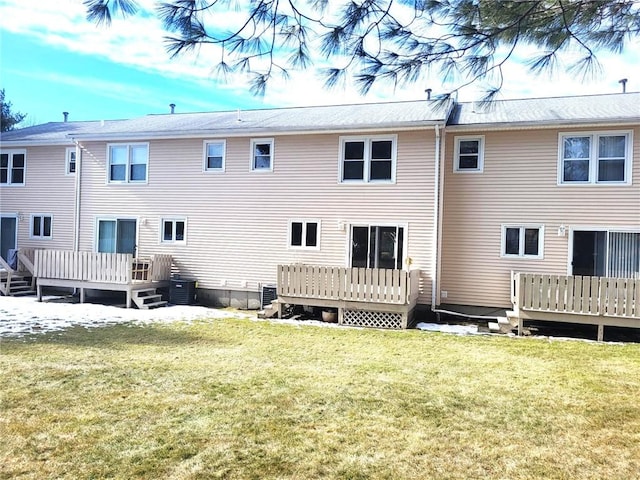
[
  {"x": 595, "y": 158},
  {"x": 262, "y": 154},
  {"x": 70, "y": 162},
  {"x": 174, "y": 230},
  {"x": 469, "y": 154},
  {"x": 12, "y": 167},
  {"x": 304, "y": 234},
  {"x": 368, "y": 159},
  {"x": 214, "y": 155},
  {"x": 128, "y": 163},
  {"x": 522, "y": 241},
  {"x": 41, "y": 226}
]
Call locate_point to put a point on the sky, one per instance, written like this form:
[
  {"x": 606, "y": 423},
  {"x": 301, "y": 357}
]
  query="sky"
[{"x": 53, "y": 60}]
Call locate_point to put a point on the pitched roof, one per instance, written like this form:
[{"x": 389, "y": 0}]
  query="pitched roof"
[
  {"x": 612, "y": 108},
  {"x": 52, "y": 133},
  {"x": 412, "y": 114}
]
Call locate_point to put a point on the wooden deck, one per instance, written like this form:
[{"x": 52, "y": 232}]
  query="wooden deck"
[
  {"x": 100, "y": 271},
  {"x": 362, "y": 296},
  {"x": 597, "y": 301}
]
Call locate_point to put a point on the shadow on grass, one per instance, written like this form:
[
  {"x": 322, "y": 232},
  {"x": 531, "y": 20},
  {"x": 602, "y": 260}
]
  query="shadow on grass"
[{"x": 111, "y": 336}]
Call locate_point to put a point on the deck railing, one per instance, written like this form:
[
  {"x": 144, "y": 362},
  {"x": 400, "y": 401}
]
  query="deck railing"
[
  {"x": 612, "y": 297},
  {"x": 371, "y": 285},
  {"x": 117, "y": 268}
]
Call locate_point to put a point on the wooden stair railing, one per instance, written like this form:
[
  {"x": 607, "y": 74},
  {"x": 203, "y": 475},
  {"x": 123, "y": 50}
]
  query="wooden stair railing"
[
  {"x": 25, "y": 258},
  {"x": 5, "y": 286}
]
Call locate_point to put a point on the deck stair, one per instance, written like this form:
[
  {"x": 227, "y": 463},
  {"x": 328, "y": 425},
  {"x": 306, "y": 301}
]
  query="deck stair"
[
  {"x": 148, "y": 298},
  {"x": 269, "y": 311},
  {"x": 17, "y": 286},
  {"x": 505, "y": 324}
]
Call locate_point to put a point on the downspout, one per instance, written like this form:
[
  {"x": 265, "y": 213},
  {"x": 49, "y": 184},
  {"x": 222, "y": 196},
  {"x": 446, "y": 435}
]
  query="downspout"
[
  {"x": 435, "y": 251},
  {"x": 438, "y": 215},
  {"x": 76, "y": 219}
]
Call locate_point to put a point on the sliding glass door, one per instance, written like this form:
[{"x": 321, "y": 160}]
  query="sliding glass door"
[
  {"x": 605, "y": 253},
  {"x": 376, "y": 246},
  {"x": 117, "y": 236}
]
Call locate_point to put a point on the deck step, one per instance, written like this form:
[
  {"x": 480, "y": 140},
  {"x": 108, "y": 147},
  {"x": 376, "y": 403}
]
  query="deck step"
[
  {"x": 23, "y": 293},
  {"x": 504, "y": 325},
  {"x": 149, "y": 306},
  {"x": 269, "y": 311},
  {"x": 148, "y": 298},
  {"x": 145, "y": 291}
]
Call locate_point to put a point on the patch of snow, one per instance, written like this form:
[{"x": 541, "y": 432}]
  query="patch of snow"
[
  {"x": 21, "y": 316},
  {"x": 444, "y": 328}
]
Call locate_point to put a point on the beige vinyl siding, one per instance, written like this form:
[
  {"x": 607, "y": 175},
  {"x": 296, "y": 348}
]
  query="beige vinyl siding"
[
  {"x": 519, "y": 186},
  {"x": 47, "y": 190},
  {"x": 237, "y": 220}
]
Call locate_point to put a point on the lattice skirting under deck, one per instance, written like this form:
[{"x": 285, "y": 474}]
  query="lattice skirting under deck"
[{"x": 363, "y": 318}]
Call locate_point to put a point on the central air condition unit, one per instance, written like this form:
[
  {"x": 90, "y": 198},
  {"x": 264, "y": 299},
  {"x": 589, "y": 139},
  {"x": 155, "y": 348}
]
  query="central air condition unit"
[{"x": 268, "y": 293}]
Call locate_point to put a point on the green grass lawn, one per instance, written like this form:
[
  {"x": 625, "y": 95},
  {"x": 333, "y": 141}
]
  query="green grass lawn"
[{"x": 239, "y": 399}]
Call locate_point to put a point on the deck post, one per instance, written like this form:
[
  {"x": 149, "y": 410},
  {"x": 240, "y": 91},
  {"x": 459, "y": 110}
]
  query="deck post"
[
  {"x": 600, "y": 332},
  {"x": 520, "y": 326},
  {"x": 39, "y": 292},
  {"x": 340, "y": 315},
  {"x": 128, "y": 298},
  {"x": 279, "y": 304},
  {"x": 81, "y": 295}
]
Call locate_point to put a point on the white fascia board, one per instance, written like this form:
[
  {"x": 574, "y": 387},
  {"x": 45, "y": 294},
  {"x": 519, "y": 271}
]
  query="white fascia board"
[
  {"x": 36, "y": 143},
  {"x": 474, "y": 127},
  {"x": 258, "y": 132}
]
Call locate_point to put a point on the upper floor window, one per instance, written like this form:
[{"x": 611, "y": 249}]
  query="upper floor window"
[
  {"x": 12, "y": 167},
  {"x": 522, "y": 241},
  {"x": 128, "y": 163},
  {"x": 214, "y": 153},
  {"x": 469, "y": 154},
  {"x": 588, "y": 158},
  {"x": 70, "y": 161},
  {"x": 41, "y": 226},
  {"x": 304, "y": 234},
  {"x": 173, "y": 230},
  {"x": 262, "y": 154},
  {"x": 368, "y": 159}
]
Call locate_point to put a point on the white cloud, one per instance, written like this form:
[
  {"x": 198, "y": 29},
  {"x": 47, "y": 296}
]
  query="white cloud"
[{"x": 139, "y": 42}]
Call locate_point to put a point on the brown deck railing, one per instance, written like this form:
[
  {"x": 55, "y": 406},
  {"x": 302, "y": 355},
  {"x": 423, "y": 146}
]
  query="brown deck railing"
[
  {"x": 612, "y": 297},
  {"x": 117, "y": 268},
  {"x": 371, "y": 285}
]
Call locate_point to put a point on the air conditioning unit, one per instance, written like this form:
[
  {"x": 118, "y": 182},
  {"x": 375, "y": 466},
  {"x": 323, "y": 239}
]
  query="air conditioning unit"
[{"x": 268, "y": 293}]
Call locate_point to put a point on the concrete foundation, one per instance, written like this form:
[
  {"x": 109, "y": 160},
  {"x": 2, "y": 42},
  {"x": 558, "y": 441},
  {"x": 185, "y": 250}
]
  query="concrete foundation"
[{"x": 240, "y": 299}]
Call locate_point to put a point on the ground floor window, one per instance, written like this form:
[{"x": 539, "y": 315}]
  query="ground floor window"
[
  {"x": 522, "y": 241},
  {"x": 41, "y": 226},
  {"x": 117, "y": 236},
  {"x": 304, "y": 234},
  {"x": 606, "y": 253},
  {"x": 377, "y": 246},
  {"x": 173, "y": 230}
]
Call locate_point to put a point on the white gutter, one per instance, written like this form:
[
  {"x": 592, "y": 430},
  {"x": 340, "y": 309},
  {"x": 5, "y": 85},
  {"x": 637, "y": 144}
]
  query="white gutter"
[
  {"x": 78, "y": 183},
  {"x": 236, "y": 133},
  {"x": 435, "y": 250}
]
